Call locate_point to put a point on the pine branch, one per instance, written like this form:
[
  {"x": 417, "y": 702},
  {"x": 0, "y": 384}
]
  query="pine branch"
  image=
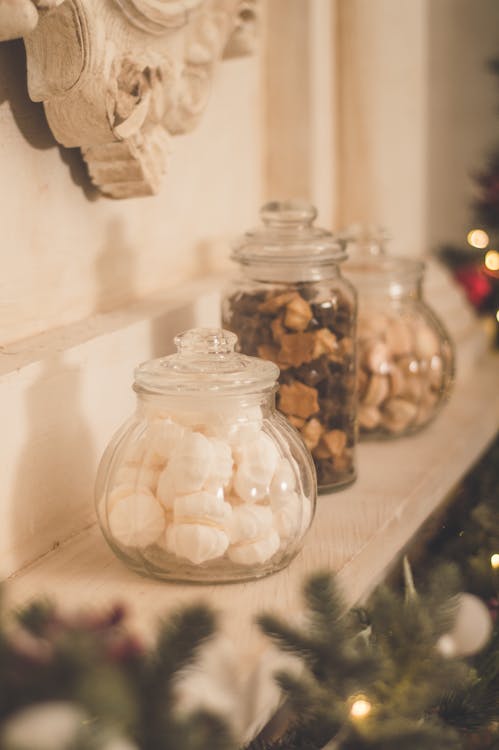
[
  {"x": 180, "y": 638},
  {"x": 399, "y": 734}
]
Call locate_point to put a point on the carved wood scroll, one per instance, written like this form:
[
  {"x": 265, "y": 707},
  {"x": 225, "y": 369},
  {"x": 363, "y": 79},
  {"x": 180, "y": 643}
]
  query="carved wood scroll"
[{"x": 118, "y": 78}]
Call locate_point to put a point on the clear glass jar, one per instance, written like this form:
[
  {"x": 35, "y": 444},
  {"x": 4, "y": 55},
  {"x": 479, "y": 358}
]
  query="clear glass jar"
[
  {"x": 406, "y": 358},
  {"x": 206, "y": 482},
  {"x": 291, "y": 305}
]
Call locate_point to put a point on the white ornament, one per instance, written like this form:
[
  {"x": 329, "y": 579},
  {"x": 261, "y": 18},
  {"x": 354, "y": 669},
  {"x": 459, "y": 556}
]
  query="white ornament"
[
  {"x": 196, "y": 542},
  {"x": 471, "y": 631},
  {"x": 45, "y": 726},
  {"x": 136, "y": 519},
  {"x": 57, "y": 725}
]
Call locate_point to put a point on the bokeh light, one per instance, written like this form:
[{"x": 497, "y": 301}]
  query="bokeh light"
[
  {"x": 478, "y": 238},
  {"x": 492, "y": 260},
  {"x": 361, "y": 707}
]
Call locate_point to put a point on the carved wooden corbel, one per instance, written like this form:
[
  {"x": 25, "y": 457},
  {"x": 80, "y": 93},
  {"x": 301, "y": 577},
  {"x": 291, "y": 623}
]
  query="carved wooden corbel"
[{"x": 118, "y": 78}]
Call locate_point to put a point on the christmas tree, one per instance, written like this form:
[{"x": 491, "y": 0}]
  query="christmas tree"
[{"x": 476, "y": 265}]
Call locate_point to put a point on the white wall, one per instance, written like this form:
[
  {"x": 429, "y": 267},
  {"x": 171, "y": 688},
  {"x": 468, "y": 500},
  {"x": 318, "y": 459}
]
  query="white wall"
[
  {"x": 68, "y": 252},
  {"x": 383, "y": 114}
]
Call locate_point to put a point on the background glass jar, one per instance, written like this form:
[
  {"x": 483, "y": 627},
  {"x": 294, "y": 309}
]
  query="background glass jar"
[
  {"x": 206, "y": 482},
  {"x": 291, "y": 305},
  {"x": 406, "y": 359}
]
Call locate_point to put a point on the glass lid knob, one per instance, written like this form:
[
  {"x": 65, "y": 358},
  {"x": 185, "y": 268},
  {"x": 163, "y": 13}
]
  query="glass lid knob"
[
  {"x": 205, "y": 341},
  {"x": 288, "y": 213}
]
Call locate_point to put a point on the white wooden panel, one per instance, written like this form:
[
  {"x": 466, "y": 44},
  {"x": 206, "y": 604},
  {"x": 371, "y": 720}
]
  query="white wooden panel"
[
  {"x": 67, "y": 253},
  {"x": 62, "y": 396}
]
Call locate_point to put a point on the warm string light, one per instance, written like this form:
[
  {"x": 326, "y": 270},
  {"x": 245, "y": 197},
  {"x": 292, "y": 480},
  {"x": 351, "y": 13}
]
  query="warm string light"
[
  {"x": 360, "y": 708},
  {"x": 497, "y": 316},
  {"x": 478, "y": 238},
  {"x": 494, "y": 560},
  {"x": 492, "y": 260}
]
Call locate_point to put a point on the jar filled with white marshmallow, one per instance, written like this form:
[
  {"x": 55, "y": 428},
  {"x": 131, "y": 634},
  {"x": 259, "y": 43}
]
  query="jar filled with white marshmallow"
[
  {"x": 207, "y": 482},
  {"x": 405, "y": 355}
]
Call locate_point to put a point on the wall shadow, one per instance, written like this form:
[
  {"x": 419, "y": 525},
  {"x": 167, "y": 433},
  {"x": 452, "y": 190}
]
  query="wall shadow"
[
  {"x": 165, "y": 328},
  {"x": 194, "y": 313},
  {"x": 55, "y": 475},
  {"x": 30, "y": 116},
  {"x": 115, "y": 269}
]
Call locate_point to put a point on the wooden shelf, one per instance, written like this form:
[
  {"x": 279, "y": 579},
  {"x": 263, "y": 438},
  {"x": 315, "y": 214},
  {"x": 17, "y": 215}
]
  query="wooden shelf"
[{"x": 357, "y": 532}]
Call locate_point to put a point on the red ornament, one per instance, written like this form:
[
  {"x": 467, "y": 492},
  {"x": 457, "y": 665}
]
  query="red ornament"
[{"x": 475, "y": 283}]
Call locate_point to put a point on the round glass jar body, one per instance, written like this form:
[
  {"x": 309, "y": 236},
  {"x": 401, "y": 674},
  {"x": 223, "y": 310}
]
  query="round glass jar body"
[
  {"x": 290, "y": 305},
  {"x": 405, "y": 356},
  {"x": 206, "y": 482}
]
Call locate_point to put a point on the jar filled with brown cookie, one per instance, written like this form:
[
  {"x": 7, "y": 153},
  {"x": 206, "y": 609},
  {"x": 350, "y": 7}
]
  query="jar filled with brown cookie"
[
  {"x": 290, "y": 304},
  {"x": 406, "y": 360}
]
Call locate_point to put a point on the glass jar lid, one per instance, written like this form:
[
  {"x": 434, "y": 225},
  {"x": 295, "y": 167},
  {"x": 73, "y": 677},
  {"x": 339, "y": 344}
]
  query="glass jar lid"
[
  {"x": 288, "y": 236},
  {"x": 393, "y": 274},
  {"x": 365, "y": 240},
  {"x": 206, "y": 361}
]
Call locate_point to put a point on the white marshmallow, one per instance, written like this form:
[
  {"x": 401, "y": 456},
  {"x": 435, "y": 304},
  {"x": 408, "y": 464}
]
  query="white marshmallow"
[
  {"x": 135, "y": 518},
  {"x": 200, "y": 507},
  {"x": 250, "y": 522},
  {"x": 252, "y": 535},
  {"x": 288, "y": 514},
  {"x": 188, "y": 469},
  {"x": 306, "y": 518},
  {"x": 258, "y": 461},
  {"x": 118, "y": 493},
  {"x": 221, "y": 469},
  {"x": 195, "y": 420},
  {"x": 135, "y": 451},
  {"x": 141, "y": 475},
  {"x": 162, "y": 439},
  {"x": 427, "y": 343},
  {"x": 196, "y": 542},
  {"x": 284, "y": 480},
  {"x": 165, "y": 490},
  {"x": 256, "y": 552},
  {"x": 236, "y": 427}
]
